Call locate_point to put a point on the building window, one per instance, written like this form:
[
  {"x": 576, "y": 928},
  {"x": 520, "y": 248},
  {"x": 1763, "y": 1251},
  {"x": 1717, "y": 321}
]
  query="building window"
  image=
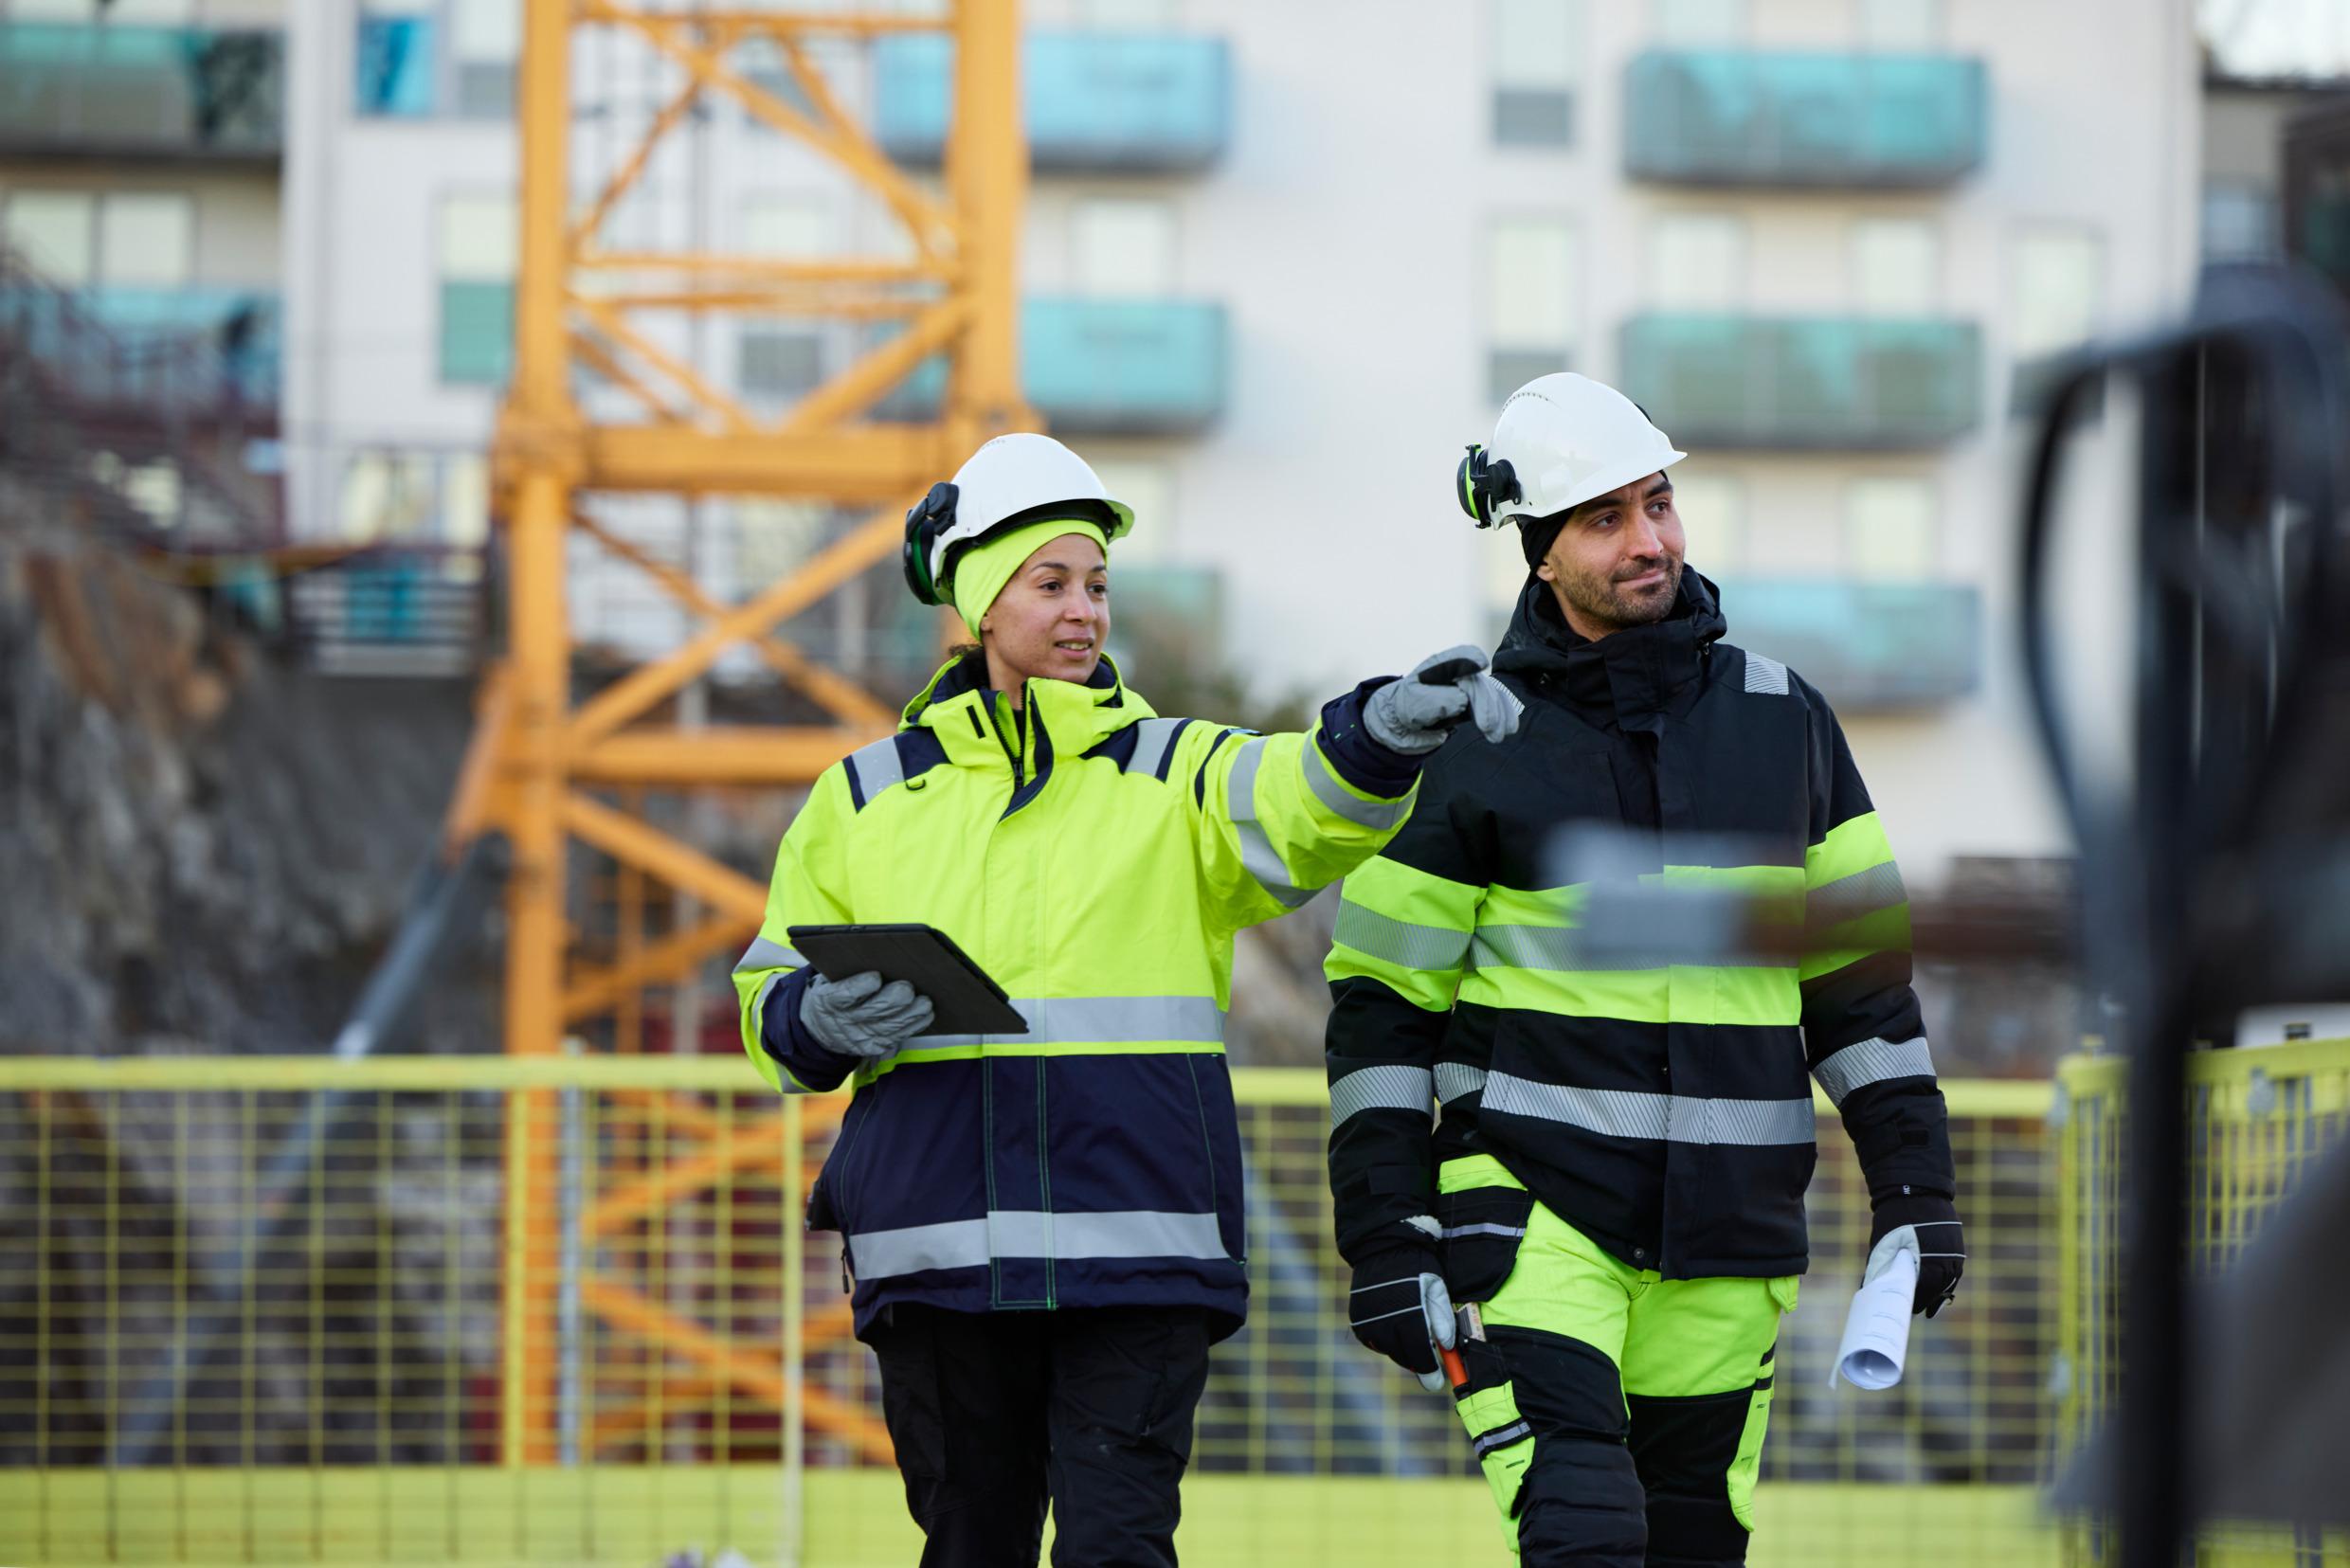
[
  {"x": 782, "y": 364},
  {"x": 389, "y": 495},
  {"x": 477, "y": 257},
  {"x": 485, "y": 38},
  {"x": 1889, "y": 530},
  {"x": 2239, "y": 222},
  {"x": 57, "y": 231},
  {"x": 1531, "y": 293},
  {"x": 1701, "y": 22},
  {"x": 1127, "y": 15},
  {"x": 397, "y": 61},
  {"x": 147, "y": 240},
  {"x": 1901, "y": 26},
  {"x": 132, "y": 12},
  {"x": 2059, "y": 302},
  {"x": 1533, "y": 72},
  {"x": 1148, "y": 486},
  {"x": 1896, "y": 267},
  {"x": 1713, "y": 507},
  {"x": 1122, "y": 247},
  {"x": 137, "y": 240},
  {"x": 1700, "y": 263}
]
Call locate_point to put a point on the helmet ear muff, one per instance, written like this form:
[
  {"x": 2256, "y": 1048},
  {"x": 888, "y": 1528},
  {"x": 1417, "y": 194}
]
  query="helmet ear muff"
[
  {"x": 924, "y": 521},
  {"x": 1481, "y": 484}
]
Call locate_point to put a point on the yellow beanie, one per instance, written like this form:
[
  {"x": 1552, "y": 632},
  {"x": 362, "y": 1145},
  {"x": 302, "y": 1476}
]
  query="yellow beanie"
[{"x": 981, "y": 571}]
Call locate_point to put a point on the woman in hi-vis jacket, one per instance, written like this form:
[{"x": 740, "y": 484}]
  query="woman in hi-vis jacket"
[{"x": 1045, "y": 1230}]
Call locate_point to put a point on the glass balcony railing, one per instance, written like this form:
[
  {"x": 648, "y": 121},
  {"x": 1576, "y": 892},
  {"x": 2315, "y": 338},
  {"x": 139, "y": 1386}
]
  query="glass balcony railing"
[
  {"x": 1094, "y": 101},
  {"x": 1722, "y": 117},
  {"x": 1866, "y": 645},
  {"x": 476, "y": 333},
  {"x": 236, "y": 333},
  {"x": 1827, "y": 383},
  {"x": 142, "y": 92},
  {"x": 1106, "y": 367}
]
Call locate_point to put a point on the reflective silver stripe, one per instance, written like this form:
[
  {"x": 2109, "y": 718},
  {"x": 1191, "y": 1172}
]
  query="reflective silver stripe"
[
  {"x": 1399, "y": 942},
  {"x": 1256, "y": 852},
  {"x": 1500, "y": 1437},
  {"x": 1567, "y": 951},
  {"x": 1674, "y": 1118},
  {"x": 763, "y": 954},
  {"x": 1849, "y": 898},
  {"x": 1323, "y": 780},
  {"x": 876, "y": 767},
  {"x": 1390, "y": 1087},
  {"x": 1872, "y": 1061},
  {"x": 1151, "y": 739},
  {"x": 1029, "y": 1232},
  {"x": 1486, "y": 1228},
  {"x": 1766, "y": 675},
  {"x": 1103, "y": 1021},
  {"x": 1454, "y": 1079}
]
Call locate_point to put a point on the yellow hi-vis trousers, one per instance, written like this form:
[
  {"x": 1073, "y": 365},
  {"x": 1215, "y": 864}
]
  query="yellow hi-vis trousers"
[{"x": 1617, "y": 1415}]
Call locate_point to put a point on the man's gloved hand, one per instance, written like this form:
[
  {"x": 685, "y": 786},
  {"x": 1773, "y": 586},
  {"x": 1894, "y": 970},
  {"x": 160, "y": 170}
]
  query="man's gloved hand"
[
  {"x": 1414, "y": 714},
  {"x": 861, "y": 1016},
  {"x": 1401, "y": 1308},
  {"x": 1942, "y": 1241}
]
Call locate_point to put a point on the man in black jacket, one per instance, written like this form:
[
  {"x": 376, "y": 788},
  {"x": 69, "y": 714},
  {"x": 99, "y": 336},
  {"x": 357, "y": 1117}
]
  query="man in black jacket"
[{"x": 1617, "y": 1173}]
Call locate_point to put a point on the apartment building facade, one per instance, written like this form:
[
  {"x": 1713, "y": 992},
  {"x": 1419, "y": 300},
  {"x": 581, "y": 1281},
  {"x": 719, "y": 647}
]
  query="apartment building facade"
[{"x": 1282, "y": 261}]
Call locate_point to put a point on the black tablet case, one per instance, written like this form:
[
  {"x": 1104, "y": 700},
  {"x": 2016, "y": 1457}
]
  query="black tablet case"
[{"x": 965, "y": 1000}]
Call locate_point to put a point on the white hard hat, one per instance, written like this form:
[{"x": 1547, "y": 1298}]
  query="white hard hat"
[
  {"x": 1007, "y": 480},
  {"x": 1562, "y": 440}
]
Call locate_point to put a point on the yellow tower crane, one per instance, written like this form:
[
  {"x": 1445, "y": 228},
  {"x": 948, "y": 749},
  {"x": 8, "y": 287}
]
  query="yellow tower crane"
[{"x": 546, "y": 770}]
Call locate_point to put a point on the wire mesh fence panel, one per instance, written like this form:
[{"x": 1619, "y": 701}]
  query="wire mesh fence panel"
[
  {"x": 2258, "y": 1120},
  {"x": 562, "y": 1311}
]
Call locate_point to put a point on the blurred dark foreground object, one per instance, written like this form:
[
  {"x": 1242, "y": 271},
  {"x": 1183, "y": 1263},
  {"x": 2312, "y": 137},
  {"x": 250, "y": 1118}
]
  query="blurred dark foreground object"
[{"x": 2215, "y": 869}]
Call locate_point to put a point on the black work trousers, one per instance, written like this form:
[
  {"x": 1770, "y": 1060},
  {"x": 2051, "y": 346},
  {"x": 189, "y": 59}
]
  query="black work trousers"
[{"x": 995, "y": 1414}]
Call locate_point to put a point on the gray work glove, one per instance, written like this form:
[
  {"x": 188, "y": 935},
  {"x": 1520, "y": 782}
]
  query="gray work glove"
[
  {"x": 859, "y": 1017},
  {"x": 1413, "y": 716}
]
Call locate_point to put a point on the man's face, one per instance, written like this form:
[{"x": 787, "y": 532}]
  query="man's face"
[{"x": 1617, "y": 563}]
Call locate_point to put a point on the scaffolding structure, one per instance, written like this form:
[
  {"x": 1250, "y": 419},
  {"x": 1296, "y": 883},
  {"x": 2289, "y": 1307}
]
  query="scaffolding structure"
[{"x": 547, "y": 770}]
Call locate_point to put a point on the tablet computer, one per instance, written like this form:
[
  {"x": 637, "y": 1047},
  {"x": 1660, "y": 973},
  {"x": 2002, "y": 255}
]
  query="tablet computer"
[{"x": 965, "y": 999}]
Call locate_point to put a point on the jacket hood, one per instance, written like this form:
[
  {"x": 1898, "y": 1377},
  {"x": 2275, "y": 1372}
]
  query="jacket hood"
[{"x": 1636, "y": 672}]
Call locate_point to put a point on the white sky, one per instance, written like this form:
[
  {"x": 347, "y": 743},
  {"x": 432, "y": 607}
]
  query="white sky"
[{"x": 2265, "y": 38}]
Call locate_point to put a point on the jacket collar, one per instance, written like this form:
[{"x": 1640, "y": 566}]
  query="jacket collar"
[
  {"x": 1078, "y": 718},
  {"x": 1629, "y": 677}
]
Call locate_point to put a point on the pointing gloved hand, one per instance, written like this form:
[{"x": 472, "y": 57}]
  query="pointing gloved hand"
[
  {"x": 1401, "y": 1308},
  {"x": 1414, "y": 714},
  {"x": 861, "y": 1016},
  {"x": 1942, "y": 1241}
]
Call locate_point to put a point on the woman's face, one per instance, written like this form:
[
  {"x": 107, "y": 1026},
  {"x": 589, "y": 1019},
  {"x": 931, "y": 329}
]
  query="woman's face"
[{"x": 1052, "y": 618}]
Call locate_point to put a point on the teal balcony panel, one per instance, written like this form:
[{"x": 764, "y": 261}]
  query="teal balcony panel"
[
  {"x": 1826, "y": 384},
  {"x": 1106, "y": 367},
  {"x": 1721, "y": 116},
  {"x": 107, "y": 90},
  {"x": 1094, "y": 102},
  {"x": 476, "y": 333},
  {"x": 1868, "y": 646}
]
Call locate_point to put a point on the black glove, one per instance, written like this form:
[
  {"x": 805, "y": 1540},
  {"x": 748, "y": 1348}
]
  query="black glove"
[
  {"x": 1399, "y": 1306},
  {"x": 1942, "y": 1241}
]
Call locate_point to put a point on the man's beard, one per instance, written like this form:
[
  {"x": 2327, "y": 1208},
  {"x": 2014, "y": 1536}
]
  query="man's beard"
[{"x": 1608, "y": 602}]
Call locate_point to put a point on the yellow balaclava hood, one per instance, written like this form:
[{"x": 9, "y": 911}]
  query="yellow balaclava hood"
[{"x": 981, "y": 571}]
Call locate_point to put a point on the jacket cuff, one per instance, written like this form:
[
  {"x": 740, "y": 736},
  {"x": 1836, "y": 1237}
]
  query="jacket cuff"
[
  {"x": 800, "y": 1056},
  {"x": 1360, "y": 759}
]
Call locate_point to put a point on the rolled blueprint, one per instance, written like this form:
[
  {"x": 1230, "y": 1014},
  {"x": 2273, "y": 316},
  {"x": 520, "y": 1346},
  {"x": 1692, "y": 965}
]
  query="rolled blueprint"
[{"x": 1876, "y": 1333}]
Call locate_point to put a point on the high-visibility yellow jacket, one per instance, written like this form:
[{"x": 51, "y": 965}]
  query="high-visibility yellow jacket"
[{"x": 1095, "y": 859}]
